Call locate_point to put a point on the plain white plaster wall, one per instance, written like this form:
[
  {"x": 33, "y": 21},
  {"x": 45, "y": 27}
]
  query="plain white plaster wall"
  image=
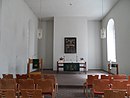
[
  {"x": 49, "y": 45},
  {"x": 18, "y": 36},
  {"x": 0, "y": 17},
  {"x": 94, "y": 44},
  {"x": 42, "y": 44},
  {"x": 70, "y": 27},
  {"x": 121, "y": 14},
  {"x": 45, "y": 45},
  {"x": 0, "y": 29}
]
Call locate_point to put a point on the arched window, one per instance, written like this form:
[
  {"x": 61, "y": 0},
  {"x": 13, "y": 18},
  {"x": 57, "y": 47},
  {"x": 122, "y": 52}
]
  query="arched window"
[{"x": 111, "y": 46}]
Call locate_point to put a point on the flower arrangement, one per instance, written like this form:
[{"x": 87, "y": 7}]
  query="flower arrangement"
[{"x": 81, "y": 58}]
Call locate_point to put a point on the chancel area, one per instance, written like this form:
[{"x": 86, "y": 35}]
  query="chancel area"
[{"x": 64, "y": 48}]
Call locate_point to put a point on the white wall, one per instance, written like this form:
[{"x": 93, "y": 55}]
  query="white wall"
[
  {"x": 42, "y": 44},
  {"x": 0, "y": 29},
  {"x": 18, "y": 36},
  {"x": 70, "y": 27},
  {"x": 94, "y": 45},
  {"x": 45, "y": 45},
  {"x": 88, "y": 40},
  {"x": 121, "y": 14},
  {"x": 0, "y": 17},
  {"x": 49, "y": 45}
]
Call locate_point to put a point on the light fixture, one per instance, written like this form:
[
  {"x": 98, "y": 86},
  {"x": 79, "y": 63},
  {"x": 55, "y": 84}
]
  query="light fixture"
[
  {"x": 70, "y": 4},
  {"x": 39, "y": 34},
  {"x": 40, "y": 30},
  {"x": 103, "y": 33},
  {"x": 103, "y": 30}
]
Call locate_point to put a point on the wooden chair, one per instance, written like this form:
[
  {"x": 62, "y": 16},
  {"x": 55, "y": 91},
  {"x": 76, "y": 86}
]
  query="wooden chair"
[
  {"x": 31, "y": 93},
  {"x": 8, "y": 84},
  {"x": 52, "y": 76},
  {"x": 119, "y": 76},
  {"x": 129, "y": 79},
  {"x": 105, "y": 77},
  {"x": 47, "y": 87},
  {"x": 0, "y": 83},
  {"x": 128, "y": 90},
  {"x": 7, "y": 76},
  {"x": 26, "y": 84},
  {"x": 21, "y": 76},
  {"x": 0, "y": 89},
  {"x": 99, "y": 86},
  {"x": 114, "y": 94},
  {"x": 49, "y": 76},
  {"x": 119, "y": 84},
  {"x": 35, "y": 77},
  {"x": 89, "y": 82},
  {"x": 8, "y": 93},
  {"x": 0, "y": 94}
]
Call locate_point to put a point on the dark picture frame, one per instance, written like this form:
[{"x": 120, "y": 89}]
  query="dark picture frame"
[{"x": 70, "y": 45}]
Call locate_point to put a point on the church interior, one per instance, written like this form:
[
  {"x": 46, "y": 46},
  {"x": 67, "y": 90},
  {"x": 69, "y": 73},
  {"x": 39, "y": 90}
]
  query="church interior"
[{"x": 64, "y": 48}]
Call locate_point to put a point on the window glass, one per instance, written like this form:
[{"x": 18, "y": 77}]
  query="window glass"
[{"x": 111, "y": 46}]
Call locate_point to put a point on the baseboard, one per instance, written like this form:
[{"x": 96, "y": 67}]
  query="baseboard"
[
  {"x": 95, "y": 69},
  {"x": 47, "y": 69},
  {"x": 100, "y": 70},
  {"x": 108, "y": 72}
]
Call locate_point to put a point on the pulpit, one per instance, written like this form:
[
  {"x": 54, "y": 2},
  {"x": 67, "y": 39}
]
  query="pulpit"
[
  {"x": 110, "y": 66},
  {"x": 35, "y": 64}
]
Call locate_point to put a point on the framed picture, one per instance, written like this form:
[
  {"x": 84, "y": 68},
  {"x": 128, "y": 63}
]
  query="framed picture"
[{"x": 70, "y": 45}]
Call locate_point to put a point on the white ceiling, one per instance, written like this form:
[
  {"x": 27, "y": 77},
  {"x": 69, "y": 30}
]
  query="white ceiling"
[{"x": 93, "y": 9}]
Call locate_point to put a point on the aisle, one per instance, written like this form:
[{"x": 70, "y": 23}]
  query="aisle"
[
  {"x": 71, "y": 83},
  {"x": 69, "y": 92}
]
